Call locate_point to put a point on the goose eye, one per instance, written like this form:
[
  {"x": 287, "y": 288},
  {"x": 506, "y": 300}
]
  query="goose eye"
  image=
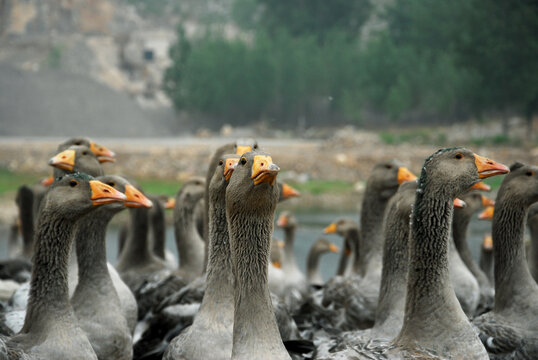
[
  {"x": 459, "y": 156},
  {"x": 243, "y": 161},
  {"x": 221, "y": 162},
  {"x": 73, "y": 183},
  {"x": 388, "y": 166},
  {"x": 529, "y": 173},
  {"x": 77, "y": 143},
  {"x": 84, "y": 153},
  {"x": 255, "y": 146},
  {"x": 111, "y": 184}
]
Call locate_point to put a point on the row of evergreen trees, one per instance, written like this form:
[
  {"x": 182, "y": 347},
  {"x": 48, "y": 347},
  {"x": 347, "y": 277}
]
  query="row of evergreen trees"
[{"x": 350, "y": 61}]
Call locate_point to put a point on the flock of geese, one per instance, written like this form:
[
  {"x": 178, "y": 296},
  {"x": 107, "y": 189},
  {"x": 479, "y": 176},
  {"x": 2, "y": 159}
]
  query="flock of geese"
[{"x": 406, "y": 286}]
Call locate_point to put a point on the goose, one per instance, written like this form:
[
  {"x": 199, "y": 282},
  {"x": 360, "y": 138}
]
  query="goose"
[
  {"x": 349, "y": 230},
  {"x": 210, "y": 335},
  {"x": 50, "y": 328},
  {"x": 320, "y": 247},
  {"x": 363, "y": 288},
  {"x": 75, "y": 158},
  {"x": 25, "y": 204},
  {"x": 532, "y": 223},
  {"x": 251, "y": 198},
  {"x": 158, "y": 231},
  {"x": 434, "y": 325},
  {"x": 486, "y": 257},
  {"x": 510, "y": 330},
  {"x": 103, "y": 153},
  {"x": 95, "y": 301},
  {"x": 462, "y": 216},
  {"x": 295, "y": 282}
]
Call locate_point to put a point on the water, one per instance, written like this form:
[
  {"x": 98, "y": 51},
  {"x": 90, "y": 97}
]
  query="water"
[{"x": 310, "y": 228}]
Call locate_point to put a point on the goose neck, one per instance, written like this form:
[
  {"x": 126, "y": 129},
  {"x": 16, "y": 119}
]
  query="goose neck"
[
  {"x": 158, "y": 226},
  {"x": 188, "y": 241},
  {"x": 371, "y": 246},
  {"x": 312, "y": 265},
  {"x": 136, "y": 248},
  {"x": 289, "y": 252},
  {"x": 49, "y": 295},
  {"x": 512, "y": 277}
]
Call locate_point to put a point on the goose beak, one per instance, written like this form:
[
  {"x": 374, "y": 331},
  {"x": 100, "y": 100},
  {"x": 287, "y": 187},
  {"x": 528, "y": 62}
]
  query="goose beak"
[
  {"x": 105, "y": 194},
  {"x": 229, "y": 166},
  {"x": 289, "y": 192},
  {"x": 488, "y": 242},
  {"x": 487, "y": 168},
  {"x": 241, "y": 149},
  {"x": 282, "y": 221},
  {"x": 481, "y": 186},
  {"x": 333, "y": 248},
  {"x": 135, "y": 198},
  {"x": 64, "y": 160},
  {"x": 487, "y": 214},
  {"x": 459, "y": 203},
  {"x": 170, "y": 203},
  {"x": 487, "y": 201},
  {"x": 405, "y": 175},
  {"x": 103, "y": 154},
  {"x": 331, "y": 229},
  {"x": 264, "y": 170},
  {"x": 47, "y": 181},
  {"x": 277, "y": 264}
]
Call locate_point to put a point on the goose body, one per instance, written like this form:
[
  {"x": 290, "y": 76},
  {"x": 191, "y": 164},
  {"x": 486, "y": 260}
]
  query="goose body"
[{"x": 510, "y": 330}]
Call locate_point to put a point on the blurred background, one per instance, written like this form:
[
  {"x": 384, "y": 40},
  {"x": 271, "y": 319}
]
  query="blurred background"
[{"x": 328, "y": 87}]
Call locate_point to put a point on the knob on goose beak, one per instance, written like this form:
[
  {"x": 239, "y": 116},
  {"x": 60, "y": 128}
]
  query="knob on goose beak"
[
  {"x": 105, "y": 194},
  {"x": 481, "y": 186},
  {"x": 405, "y": 175},
  {"x": 103, "y": 154},
  {"x": 135, "y": 198},
  {"x": 64, "y": 160},
  {"x": 487, "y": 168},
  {"x": 264, "y": 170}
]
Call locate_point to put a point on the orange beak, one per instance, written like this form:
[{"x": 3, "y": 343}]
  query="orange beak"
[
  {"x": 282, "y": 221},
  {"x": 102, "y": 153},
  {"x": 487, "y": 168},
  {"x": 333, "y": 248},
  {"x": 289, "y": 192},
  {"x": 277, "y": 264},
  {"x": 240, "y": 150},
  {"x": 135, "y": 198},
  {"x": 405, "y": 175},
  {"x": 47, "y": 181},
  {"x": 280, "y": 244},
  {"x": 487, "y": 214},
  {"x": 487, "y": 201},
  {"x": 105, "y": 194},
  {"x": 229, "y": 166},
  {"x": 488, "y": 242},
  {"x": 64, "y": 160},
  {"x": 264, "y": 170},
  {"x": 170, "y": 203},
  {"x": 459, "y": 203},
  {"x": 331, "y": 229},
  {"x": 481, "y": 186}
]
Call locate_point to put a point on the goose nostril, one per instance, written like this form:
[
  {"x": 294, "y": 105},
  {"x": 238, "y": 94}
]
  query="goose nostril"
[{"x": 106, "y": 190}]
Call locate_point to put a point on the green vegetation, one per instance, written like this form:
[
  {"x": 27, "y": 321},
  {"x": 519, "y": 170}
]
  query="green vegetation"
[
  {"x": 55, "y": 57},
  {"x": 10, "y": 181},
  {"x": 414, "y": 136},
  {"x": 318, "y": 187},
  {"x": 160, "y": 186},
  {"x": 432, "y": 61},
  {"x": 494, "y": 182}
]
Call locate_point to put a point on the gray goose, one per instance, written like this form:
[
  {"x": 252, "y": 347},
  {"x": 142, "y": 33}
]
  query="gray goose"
[
  {"x": 251, "y": 198},
  {"x": 532, "y": 223},
  {"x": 210, "y": 335},
  {"x": 349, "y": 257},
  {"x": 363, "y": 290},
  {"x": 486, "y": 257},
  {"x": 50, "y": 328},
  {"x": 320, "y": 247},
  {"x": 510, "y": 330},
  {"x": 434, "y": 325},
  {"x": 158, "y": 230},
  {"x": 462, "y": 216},
  {"x": 95, "y": 301}
]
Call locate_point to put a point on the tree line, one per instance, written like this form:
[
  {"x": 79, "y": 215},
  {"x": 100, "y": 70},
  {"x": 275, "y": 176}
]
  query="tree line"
[{"x": 347, "y": 61}]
